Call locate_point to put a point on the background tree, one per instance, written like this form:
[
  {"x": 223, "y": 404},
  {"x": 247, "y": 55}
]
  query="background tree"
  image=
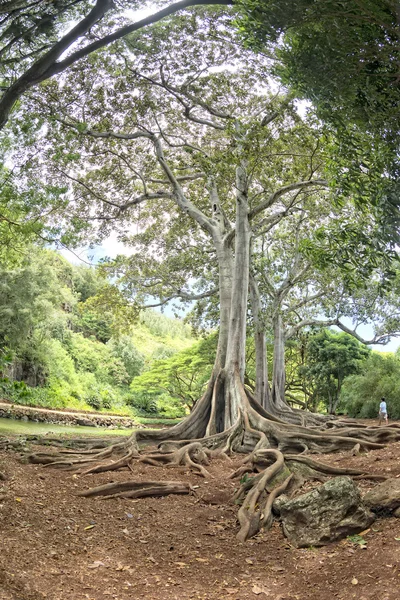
[
  {"x": 330, "y": 358},
  {"x": 299, "y": 286},
  {"x": 182, "y": 376},
  {"x": 362, "y": 391}
]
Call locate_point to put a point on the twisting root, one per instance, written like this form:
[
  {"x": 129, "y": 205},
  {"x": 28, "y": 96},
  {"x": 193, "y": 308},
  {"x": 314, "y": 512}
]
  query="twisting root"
[
  {"x": 138, "y": 489},
  {"x": 229, "y": 419},
  {"x": 192, "y": 455},
  {"x": 255, "y": 511},
  {"x": 67, "y": 460},
  {"x": 114, "y": 466}
]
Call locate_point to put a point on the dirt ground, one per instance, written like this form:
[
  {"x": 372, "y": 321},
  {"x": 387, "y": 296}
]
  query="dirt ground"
[{"x": 55, "y": 545}]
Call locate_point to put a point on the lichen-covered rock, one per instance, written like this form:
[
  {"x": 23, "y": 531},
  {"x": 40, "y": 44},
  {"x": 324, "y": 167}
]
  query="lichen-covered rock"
[
  {"x": 384, "y": 495},
  {"x": 328, "y": 513}
]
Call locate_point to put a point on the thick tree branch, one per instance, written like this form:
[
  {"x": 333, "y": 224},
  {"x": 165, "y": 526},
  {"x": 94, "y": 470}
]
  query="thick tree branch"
[
  {"x": 183, "y": 202},
  {"x": 309, "y": 323},
  {"x": 304, "y": 302},
  {"x": 141, "y": 133},
  {"x": 377, "y": 339},
  {"x": 284, "y": 190},
  {"x": 183, "y": 296},
  {"x": 48, "y": 65}
]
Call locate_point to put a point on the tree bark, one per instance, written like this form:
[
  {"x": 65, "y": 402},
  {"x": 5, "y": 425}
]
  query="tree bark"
[
  {"x": 278, "y": 374},
  {"x": 236, "y": 354},
  {"x": 262, "y": 389}
]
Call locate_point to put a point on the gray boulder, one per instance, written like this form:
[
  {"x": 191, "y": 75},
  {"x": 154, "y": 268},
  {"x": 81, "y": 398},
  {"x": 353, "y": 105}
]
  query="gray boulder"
[
  {"x": 85, "y": 422},
  {"x": 326, "y": 514},
  {"x": 385, "y": 495}
]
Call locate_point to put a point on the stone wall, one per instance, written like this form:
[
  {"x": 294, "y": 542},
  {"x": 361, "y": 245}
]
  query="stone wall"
[{"x": 41, "y": 415}]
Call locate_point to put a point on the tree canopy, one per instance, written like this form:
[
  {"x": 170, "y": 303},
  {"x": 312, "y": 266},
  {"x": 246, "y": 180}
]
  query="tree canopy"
[
  {"x": 344, "y": 56},
  {"x": 38, "y": 42}
]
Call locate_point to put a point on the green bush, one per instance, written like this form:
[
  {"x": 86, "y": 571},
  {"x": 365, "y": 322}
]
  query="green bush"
[
  {"x": 169, "y": 407},
  {"x": 380, "y": 377},
  {"x": 143, "y": 401}
]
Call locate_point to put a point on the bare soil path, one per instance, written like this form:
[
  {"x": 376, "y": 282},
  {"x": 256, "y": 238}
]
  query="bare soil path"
[{"x": 55, "y": 545}]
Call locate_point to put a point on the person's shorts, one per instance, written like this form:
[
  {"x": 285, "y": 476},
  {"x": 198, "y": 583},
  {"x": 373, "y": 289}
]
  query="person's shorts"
[{"x": 383, "y": 415}]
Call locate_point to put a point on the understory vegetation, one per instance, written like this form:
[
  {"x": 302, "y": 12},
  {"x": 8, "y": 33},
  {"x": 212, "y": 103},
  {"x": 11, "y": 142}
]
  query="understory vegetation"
[{"x": 59, "y": 349}]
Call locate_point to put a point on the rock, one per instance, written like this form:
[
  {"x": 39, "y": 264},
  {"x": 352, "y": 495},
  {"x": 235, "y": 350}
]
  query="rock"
[
  {"x": 25, "y": 418},
  {"x": 279, "y": 502},
  {"x": 85, "y": 422},
  {"x": 385, "y": 495},
  {"x": 328, "y": 513},
  {"x": 396, "y": 513}
]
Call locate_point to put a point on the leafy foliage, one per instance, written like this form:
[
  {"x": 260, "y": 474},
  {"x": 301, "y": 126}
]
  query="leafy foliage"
[
  {"x": 56, "y": 345},
  {"x": 379, "y": 376},
  {"x": 331, "y": 357},
  {"x": 344, "y": 56},
  {"x": 180, "y": 378}
]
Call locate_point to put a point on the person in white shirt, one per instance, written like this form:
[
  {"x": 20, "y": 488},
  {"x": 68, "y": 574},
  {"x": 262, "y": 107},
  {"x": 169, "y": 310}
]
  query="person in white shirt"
[{"x": 383, "y": 411}]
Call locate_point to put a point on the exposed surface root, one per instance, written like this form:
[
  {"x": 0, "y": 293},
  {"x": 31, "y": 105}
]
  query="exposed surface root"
[
  {"x": 89, "y": 443},
  {"x": 125, "y": 461},
  {"x": 255, "y": 511},
  {"x": 138, "y": 489},
  {"x": 277, "y": 473},
  {"x": 228, "y": 419},
  {"x": 191, "y": 455}
]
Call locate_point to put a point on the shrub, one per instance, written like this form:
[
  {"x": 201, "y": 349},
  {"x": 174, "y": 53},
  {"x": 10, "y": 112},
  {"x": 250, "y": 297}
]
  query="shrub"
[
  {"x": 143, "y": 401},
  {"x": 380, "y": 376}
]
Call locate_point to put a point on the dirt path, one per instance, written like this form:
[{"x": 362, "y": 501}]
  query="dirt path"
[{"x": 57, "y": 546}]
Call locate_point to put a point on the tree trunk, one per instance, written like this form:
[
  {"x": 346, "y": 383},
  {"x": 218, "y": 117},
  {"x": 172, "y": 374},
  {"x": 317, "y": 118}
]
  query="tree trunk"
[
  {"x": 278, "y": 374},
  {"x": 262, "y": 389},
  {"x": 236, "y": 354}
]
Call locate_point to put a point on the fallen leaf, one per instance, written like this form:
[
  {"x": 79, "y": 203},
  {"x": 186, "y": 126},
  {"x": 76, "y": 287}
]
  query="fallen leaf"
[
  {"x": 249, "y": 561},
  {"x": 88, "y": 527},
  {"x": 18, "y": 499},
  {"x": 277, "y": 568},
  {"x": 203, "y": 560},
  {"x": 354, "y": 581},
  {"x": 181, "y": 565},
  {"x": 256, "y": 589},
  {"x": 96, "y": 564},
  {"x": 120, "y": 567},
  {"x": 125, "y": 531}
]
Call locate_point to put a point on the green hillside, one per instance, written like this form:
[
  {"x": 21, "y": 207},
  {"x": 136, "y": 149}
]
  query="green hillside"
[{"x": 61, "y": 346}]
